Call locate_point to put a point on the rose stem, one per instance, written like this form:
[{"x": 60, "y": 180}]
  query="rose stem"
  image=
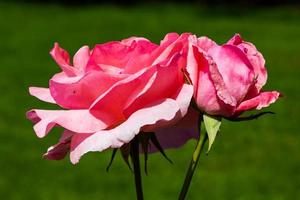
[
  {"x": 194, "y": 161},
  {"x": 134, "y": 151}
]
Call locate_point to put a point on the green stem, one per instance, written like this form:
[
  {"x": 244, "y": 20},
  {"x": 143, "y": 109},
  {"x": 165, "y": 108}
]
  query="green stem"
[
  {"x": 134, "y": 152},
  {"x": 193, "y": 163}
]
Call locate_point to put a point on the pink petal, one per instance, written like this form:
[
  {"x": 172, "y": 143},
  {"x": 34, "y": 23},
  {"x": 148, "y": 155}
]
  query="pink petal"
[
  {"x": 192, "y": 62},
  {"x": 235, "y": 70},
  {"x": 61, "y": 149},
  {"x": 255, "y": 57},
  {"x": 164, "y": 114},
  {"x": 183, "y": 99},
  {"x": 205, "y": 43},
  {"x": 81, "y": 58},
  {"x": 235, "y": 40},
  {"x": 170, "y": 45},
  {"x": 58, "y": 151},
  {"x": 62, "y": 58},
  {"x": 173, "y": 137},
  {"x": 264, "y": 99},
  {"x": 119, "y": 94},
  {"x": 131, "y": 57},
  {"x": 140, "y": 56},
  {"x": 81, "y": 91},
  {"x": 42, "y": 94},
  {"x": 165, "y": 111},
  {"x": 130, "y": 40},
  {"x": 177, "y": 135},
  {"x": 164, "y": 84},
  {"x": 80, "y": 121},
  {"x": 210, "y": 93},
  {"x": 222, "y": 90}
]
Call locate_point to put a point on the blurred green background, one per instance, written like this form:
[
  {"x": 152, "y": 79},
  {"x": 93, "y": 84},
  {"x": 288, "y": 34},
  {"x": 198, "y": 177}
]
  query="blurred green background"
[{"x": 252, "y": 160}]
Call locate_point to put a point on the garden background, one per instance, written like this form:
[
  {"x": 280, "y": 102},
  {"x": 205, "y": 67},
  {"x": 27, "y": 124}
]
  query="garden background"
[{"x": 251, "y": 160}]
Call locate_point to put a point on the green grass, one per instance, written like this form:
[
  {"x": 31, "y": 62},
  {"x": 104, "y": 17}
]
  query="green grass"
[{"x": 253, "y": 160}]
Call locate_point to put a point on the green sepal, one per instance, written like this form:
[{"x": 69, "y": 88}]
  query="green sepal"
[
  {"x": 156, "y": 143},
  {"x": 250, "y": 117},
  {"x": 212, "y": 126},
  {"x": 125, "y": 152},
  {"x": 111, "y": 159},
  {"x": 144, "y": 140}
]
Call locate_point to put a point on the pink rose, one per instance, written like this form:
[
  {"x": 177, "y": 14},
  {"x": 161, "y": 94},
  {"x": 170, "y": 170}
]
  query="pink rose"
[
  {"x": 112, "y": 93},
  {"x": 227, "y": 79}
]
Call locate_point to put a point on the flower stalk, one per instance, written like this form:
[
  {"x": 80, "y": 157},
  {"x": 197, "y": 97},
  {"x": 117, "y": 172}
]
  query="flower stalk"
[
  {"x": 193, "y": 164},
  {"x": 134, "y": 152}
]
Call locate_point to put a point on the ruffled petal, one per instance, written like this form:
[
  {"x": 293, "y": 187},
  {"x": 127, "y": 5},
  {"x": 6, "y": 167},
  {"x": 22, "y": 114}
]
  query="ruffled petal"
[
  {"x": 61, "y": 149},
  {"x": 62, "y": 58},
  {"x": 183, "y": 99},
  {"x": 109, "y": 106},
  {"x": 79, "y": 121},
  {"x": 164, "y": 84},
  {"x": 42, "y": 94},
  {"x": 222, "y": 90},
  {"x": 192, "y": 66},
  {"x": 81, "y": 58},
  {"x": 177, "y": 135},
  {"x": 171, "y": 44},
  {"x": 140, "y": 56},
  {"x": 163, "y": 112},
  {"x": 81, "y": 91},
  {"x": 264, "y": 99},
  {"x": 255, "y": 57},
  {"x": 210, "y": 93},
  {"x": 129, "y": 55},
  {"x": 235, "y": 70},
  {"x": 205, "y": 43},
  {"x": 129, "y": 41}
]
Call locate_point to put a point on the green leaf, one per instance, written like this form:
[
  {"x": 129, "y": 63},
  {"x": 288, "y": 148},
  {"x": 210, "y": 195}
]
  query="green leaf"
[{"x": 212, "y": 126}]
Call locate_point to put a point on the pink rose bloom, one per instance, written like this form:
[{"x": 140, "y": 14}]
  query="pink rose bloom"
[
  {"x": 113, "y": 92},
  {"x": 227, "y": 79}
]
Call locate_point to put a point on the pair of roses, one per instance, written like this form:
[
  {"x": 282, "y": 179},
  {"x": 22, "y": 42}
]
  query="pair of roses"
[{"x": 123, "y": 88}]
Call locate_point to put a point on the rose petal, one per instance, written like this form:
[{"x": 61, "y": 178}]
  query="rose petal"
[
  {"x": 170, "y": 45},
  {"x": 235, "y": 70},
  {"x": 42, "y": 94},
  {"x": 210, "y": 93},
  {"x": 130, "y": 58},
  {"x": 109, "y": 106},
  {"x": 140, "y": 56},
  {"x": 61, "y": 149},
  {"x": 81, "y": 91},
  {"x": 130, "y": 40},
  {"x": 80, "y": 121},
  {"x": 81, "y": 58},
  {"x": 164, "y": 114},
  {"x": 255, "y": 57},
  {"x": 192, "y": 62},
  {"x": 177, "y": 135},
  {"x": 58, "y": 151},
  {"x": 116, "y": 137},
  {"x": 164, "y": 84},
  {"x": 264, "y": 99},
  {"x": 205, "y": 43},
  {"x": 62, "y": 58}
]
